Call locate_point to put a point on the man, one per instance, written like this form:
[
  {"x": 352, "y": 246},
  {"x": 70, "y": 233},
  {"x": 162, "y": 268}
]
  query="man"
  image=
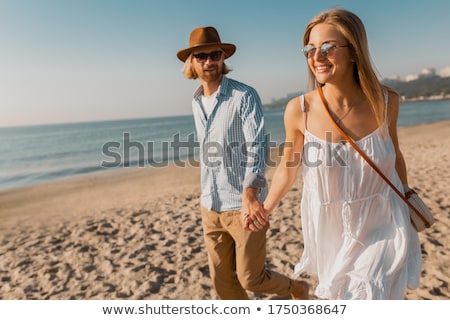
[{"x": 230, "y": 128}]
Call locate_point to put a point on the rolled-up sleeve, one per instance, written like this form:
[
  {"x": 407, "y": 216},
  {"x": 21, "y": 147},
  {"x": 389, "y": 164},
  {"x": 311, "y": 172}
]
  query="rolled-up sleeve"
[
  {"x": 255, "y": 180},
  {"x": 255, "y": 141}
]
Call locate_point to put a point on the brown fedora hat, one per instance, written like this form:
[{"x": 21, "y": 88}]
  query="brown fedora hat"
[{"x": 205, "y": 37}]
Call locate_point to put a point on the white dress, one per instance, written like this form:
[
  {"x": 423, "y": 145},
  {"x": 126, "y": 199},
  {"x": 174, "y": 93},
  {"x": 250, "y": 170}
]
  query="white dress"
[{"x": 358, "y": 239}]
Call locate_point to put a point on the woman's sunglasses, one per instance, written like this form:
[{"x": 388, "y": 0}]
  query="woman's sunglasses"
[{"x": 325, "y": 49}]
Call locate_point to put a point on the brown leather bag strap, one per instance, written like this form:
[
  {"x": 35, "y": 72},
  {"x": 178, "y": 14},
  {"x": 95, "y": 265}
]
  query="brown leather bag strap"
[{"x": 354, "y": 145}]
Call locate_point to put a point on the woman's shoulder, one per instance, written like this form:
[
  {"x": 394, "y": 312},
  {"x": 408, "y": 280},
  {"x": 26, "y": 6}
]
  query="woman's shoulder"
[
  {"x": 293, "y": 110},
  {"x": 301, "y": 102},
  {"x": 296, "y": 108},
  {"x": 391, "y": 94},
  {"x": 393, "y": 105}
]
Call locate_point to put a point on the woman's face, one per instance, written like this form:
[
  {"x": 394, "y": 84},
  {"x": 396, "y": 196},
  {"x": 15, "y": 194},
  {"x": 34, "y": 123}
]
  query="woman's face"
[{"x": 328, "y": 54}]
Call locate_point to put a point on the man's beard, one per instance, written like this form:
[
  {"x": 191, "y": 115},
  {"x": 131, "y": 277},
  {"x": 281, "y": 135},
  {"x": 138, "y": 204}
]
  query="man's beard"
[{"x": 212, "y": 75}]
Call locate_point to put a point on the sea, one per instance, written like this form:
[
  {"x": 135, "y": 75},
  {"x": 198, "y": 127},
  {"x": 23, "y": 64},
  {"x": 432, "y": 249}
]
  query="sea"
[{"x": 31, "y": 155}]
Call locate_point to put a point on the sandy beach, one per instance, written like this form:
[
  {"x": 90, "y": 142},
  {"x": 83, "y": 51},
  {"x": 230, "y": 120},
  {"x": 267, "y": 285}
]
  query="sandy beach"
[{"x": 136, "y": 233}]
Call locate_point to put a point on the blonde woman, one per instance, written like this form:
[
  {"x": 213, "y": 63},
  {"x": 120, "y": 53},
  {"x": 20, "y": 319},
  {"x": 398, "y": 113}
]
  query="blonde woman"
[{"x": 358, "y": 238}]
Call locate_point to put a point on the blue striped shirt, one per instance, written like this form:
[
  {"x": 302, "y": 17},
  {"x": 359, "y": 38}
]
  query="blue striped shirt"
[{"x": 232, "y": 145}]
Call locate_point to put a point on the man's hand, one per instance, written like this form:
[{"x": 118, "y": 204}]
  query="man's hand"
[{"x": 253, "y": 215}]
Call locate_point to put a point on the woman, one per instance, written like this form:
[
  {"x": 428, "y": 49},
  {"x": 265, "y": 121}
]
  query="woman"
[{"x": 358, "y": 237}]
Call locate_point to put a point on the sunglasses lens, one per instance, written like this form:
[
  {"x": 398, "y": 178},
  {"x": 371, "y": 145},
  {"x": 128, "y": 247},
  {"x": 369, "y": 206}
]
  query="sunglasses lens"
[
  {"x": 308, "y": 50},
  {"x": 325, "y": 49},
  {"x": 201, "y": 57},
  {"x": 214, "y": 56}
]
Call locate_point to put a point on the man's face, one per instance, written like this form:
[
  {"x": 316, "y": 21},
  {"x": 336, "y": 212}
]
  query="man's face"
[{"x": 208, "y": 63}]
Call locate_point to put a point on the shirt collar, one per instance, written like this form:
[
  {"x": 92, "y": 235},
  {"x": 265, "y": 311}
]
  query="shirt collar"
[{"x": 223, "y": 89}]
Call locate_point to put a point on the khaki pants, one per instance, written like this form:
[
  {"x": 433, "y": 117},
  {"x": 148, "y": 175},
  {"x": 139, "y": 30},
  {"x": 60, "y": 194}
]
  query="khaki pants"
[{"x": 237, "y": 258}]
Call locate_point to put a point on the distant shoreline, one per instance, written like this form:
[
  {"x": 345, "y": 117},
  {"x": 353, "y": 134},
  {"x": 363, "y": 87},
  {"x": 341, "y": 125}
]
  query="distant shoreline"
[
  {"x": 425, "y": 99},
  {"x": 281, "y": 105}
]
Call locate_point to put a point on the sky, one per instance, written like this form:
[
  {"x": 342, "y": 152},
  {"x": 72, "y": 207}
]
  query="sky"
[{"x": 67, "y": 61}]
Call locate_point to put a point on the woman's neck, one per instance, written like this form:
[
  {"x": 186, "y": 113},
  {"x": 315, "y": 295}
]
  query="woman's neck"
[{"x": 343, "y": 96}]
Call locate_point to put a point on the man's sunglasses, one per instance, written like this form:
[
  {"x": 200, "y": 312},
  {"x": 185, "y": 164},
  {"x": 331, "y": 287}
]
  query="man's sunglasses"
[
  {"x": 202, "y": 57},
  {"x": 309, "y": 51}
]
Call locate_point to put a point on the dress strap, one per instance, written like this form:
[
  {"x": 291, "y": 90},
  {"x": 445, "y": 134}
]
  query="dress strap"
[
  {"x": 386, "y": 101},
  {"x": 302, "y": 104}
]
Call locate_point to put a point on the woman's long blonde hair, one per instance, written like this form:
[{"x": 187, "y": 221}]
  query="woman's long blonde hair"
[{"x": 365, "y": 76}]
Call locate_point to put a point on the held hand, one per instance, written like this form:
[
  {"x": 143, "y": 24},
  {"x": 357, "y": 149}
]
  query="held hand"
[
  {"x": 253, "y": 214},
  {"x": 252, "y": 222}
]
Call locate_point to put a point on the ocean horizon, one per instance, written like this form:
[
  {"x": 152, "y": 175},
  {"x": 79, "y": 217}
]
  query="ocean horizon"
[{"x": 42, "y": 153}]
